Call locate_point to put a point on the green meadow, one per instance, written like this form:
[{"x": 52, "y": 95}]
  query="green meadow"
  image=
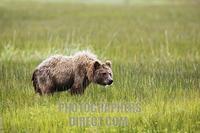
[{"x": 155, "y": 54}]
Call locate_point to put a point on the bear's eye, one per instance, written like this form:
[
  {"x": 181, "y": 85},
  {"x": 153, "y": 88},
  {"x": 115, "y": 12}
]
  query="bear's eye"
[
  {"x": 104, "y": 74},
  {"x": 110, "y": 74}
]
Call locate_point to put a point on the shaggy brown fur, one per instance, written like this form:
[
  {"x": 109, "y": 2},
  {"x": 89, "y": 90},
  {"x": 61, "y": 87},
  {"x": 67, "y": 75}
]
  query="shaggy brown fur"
[{"x": 60, "y": 73}]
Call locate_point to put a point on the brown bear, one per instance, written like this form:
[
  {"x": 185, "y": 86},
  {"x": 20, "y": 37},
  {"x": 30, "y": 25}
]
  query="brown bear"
[{"x": 74, "y": 73}]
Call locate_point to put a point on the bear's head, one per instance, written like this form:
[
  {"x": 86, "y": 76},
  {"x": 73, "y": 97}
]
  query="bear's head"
[{"x": 102, "y": 73}]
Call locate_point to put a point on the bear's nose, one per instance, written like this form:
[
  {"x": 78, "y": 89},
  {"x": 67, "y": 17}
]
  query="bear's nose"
[{"x": 110, "y": 82}]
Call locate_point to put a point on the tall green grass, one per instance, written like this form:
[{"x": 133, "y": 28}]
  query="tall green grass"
[{"x": 154, "y": 51}]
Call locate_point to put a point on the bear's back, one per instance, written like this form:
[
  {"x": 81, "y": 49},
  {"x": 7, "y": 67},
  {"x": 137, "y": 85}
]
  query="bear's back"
[{"x": 52, "y": 61}]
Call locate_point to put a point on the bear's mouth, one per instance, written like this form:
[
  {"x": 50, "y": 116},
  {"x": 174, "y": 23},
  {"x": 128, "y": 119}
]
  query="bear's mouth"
[{"x": 103, "y": 84}]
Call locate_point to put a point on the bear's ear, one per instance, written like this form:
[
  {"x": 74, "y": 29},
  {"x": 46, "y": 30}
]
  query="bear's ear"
[
  {"x": 96, "y": 65},
  {"x": 108, "y": 63}
]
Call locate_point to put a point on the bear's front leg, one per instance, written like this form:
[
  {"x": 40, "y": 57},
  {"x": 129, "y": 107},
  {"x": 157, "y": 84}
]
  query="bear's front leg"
[
  {"x": 77, "y": 89},
  {"x": 78, "y": 85}
]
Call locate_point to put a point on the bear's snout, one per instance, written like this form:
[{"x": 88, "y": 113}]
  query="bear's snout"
[{"x": 110, "y": 82}]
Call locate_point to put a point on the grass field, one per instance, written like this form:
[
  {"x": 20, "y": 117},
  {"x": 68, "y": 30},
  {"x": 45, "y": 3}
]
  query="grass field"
[{"x": 155, "y": 51}]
